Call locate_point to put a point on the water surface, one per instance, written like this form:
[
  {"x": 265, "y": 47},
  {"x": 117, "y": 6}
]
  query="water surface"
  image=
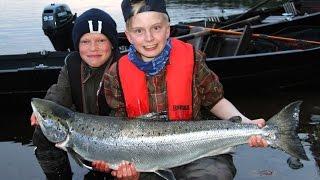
[{"x": 21, "y": 23}]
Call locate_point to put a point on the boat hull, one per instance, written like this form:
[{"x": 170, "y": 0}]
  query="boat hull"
[
  {"x": 29, "y": 73},
  {"x": 284, "y": 69}
]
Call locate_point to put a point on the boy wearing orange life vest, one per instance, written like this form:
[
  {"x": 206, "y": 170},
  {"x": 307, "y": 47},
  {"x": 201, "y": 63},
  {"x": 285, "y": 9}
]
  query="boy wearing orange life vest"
[{"x": 165, "y": 74}]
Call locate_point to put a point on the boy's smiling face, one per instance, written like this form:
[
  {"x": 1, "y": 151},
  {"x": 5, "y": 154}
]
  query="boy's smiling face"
[{"x": 148, "y": 32}]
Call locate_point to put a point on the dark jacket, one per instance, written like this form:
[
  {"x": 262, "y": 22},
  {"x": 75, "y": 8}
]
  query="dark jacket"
[{"x": 78, "y": 85}]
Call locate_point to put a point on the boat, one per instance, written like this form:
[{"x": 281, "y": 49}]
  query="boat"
[
  {"x": 263, "y": 61},
  {"x": 246, "y": 61},
  {"x": 288, "y": 17},
  {"x": 31, "y": 72},
  {"x": 267, "y": 71},
  {"x": 258, "y": 63},
  {"x": 37, "y": 71}
]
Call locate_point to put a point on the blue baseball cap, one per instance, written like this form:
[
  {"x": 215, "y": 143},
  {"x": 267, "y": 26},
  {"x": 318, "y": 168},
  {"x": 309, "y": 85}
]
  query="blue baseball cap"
[{"x": 150, "y": 5}]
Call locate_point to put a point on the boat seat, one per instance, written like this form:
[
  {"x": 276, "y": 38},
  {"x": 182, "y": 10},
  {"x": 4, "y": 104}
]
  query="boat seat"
[
  {"x": 220, "y": 46},
  {"x": 244, "y": 41},
  {"x": 196, "y": 42}
]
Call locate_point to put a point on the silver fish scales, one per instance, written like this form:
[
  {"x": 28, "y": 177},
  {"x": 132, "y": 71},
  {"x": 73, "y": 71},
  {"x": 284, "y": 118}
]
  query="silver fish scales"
[{"x": 154, "y": 145}]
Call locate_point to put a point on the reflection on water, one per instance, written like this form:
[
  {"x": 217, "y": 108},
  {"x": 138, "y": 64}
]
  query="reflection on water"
[
  {"x": 265, "y": 104},
  {"x": 313, "y": 138}
]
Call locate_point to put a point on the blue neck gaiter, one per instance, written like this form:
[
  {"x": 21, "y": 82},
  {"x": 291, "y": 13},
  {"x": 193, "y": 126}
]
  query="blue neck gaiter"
[{"x": 153, "y": 67}]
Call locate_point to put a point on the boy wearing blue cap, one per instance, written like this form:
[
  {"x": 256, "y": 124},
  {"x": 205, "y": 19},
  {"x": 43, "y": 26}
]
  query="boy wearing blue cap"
[{"x": 95, "y": 40}]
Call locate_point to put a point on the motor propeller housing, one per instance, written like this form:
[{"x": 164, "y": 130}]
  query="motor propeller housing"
[{"x": 57, "y": 24}]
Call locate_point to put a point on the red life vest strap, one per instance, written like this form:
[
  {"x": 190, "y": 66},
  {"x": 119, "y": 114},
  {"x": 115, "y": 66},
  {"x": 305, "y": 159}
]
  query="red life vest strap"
[
  {"x": 133, "y": 82},
  {"x": 179, "y": 81}
]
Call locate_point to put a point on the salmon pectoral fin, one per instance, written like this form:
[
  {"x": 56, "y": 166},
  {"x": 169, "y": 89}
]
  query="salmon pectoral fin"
[
  {"x": 78, "y": 159},
  {"x": 166, "y": 174}
]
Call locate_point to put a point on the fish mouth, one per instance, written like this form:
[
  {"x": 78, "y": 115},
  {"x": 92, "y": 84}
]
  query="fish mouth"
[
  {"x": 39, "y": 118},
  {"x": 51, "y": 128}
]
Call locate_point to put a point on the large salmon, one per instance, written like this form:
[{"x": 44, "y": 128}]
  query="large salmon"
[{"x": 159, "y": 145}]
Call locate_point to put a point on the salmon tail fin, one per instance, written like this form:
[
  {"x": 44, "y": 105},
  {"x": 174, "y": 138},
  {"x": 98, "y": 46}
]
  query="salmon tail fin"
[{"x": 287, "y": 121}]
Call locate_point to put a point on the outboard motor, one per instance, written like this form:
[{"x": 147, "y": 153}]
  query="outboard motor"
[{"x": 57, "y": 24}]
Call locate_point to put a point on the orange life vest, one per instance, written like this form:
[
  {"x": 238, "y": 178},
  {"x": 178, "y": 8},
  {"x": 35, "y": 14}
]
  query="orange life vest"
[{"x": 178, "y": 80}]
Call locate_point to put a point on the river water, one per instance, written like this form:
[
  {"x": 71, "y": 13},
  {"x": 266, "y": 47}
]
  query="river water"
[{"x": 20, "y": 32}]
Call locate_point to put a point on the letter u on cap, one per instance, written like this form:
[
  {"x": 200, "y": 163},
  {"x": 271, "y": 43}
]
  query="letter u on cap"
[{"x": 91, "y": 27}]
